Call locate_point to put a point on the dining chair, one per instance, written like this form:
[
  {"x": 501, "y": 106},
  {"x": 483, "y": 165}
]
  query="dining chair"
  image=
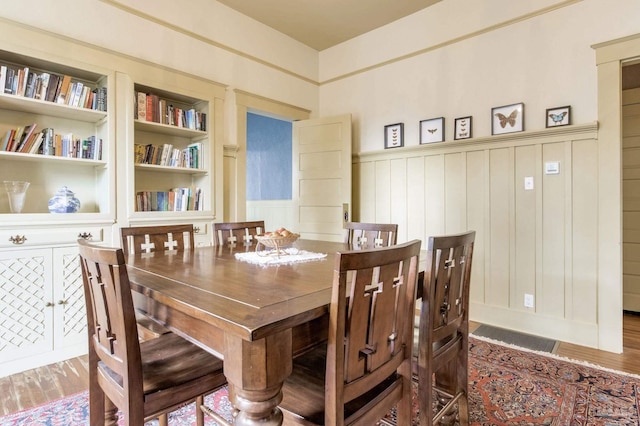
[
  {"x": 441, "y": 338},
  {"x": 364, "y": 369},
  {"x": 237, "y": 233},
  {"x": 144, "y": 380},
  {"x": 147, "y": 239},
  {"x": 361, "y": 234}
]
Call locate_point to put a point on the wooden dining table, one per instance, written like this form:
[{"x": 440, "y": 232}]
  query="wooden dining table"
[{"x": 256, "y": 318}]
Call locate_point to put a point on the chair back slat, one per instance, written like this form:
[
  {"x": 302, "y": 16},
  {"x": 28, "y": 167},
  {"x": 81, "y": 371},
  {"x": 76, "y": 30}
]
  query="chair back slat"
[
  {"x": 374, "y": 334},
  {"x": 237, "y": 233},
  {"x": 110, "y": 312},
  {"x": 167, "y": 238},
  {"x": 369, "y": 235},
  {"x": 450, "y": 260}
]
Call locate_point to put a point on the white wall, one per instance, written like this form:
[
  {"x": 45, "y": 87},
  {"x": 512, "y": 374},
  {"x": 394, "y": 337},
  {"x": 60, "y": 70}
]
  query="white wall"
[{"x": 465, "y": 58}]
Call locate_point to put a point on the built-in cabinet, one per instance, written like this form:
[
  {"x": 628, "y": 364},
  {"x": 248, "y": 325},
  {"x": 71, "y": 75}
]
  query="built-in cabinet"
[
  {"x": 42, "y": 311},
  {"x": 167, "y": 153}
]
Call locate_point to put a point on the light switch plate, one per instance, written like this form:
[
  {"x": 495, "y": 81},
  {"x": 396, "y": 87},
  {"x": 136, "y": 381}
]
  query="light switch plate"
[{"x": 528, "y": 183}]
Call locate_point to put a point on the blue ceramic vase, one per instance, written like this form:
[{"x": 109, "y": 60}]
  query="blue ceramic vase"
[{"x": 64, "y": 201}]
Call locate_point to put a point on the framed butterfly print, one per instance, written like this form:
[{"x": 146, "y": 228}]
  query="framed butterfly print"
[
  {"x": 432, "y": 130},
  {"x": 394, "y": 135},
  {"x": 560, "y": 116},
  {"x": 462, "y": 128},
  {"x": 507, "y": 119}
]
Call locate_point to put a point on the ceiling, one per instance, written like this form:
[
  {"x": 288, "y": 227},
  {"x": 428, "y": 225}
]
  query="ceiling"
[{"x": 321, "y": 24}]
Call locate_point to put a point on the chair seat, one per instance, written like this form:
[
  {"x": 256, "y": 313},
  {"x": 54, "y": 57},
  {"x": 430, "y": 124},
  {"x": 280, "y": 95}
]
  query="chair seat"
[
  {"x": 168, "y": 363},
  {"x": 304, "y": 390}
]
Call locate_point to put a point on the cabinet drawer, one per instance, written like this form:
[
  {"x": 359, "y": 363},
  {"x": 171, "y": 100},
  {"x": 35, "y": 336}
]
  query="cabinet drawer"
[{"x": 32, "y": 237}]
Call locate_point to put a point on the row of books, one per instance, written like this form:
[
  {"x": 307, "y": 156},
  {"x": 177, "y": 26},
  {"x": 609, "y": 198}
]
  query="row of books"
[
  {"x": 46, "y": 142},
  {"x": 167, "y": 155},
  {"x": 175, "y": 200},
  {"x": 51, "y": 87},
  {"x": 150, "y": 107}
]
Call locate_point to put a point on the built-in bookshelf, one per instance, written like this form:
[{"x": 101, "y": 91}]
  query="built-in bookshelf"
[
  {"x": 171, "y": 153},
  {"x": 55, "y": 129}
]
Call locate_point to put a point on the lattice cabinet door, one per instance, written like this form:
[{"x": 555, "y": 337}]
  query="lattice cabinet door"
[
  {"x": 70, "y": 315},
  {"x": 26, "y": 309}
]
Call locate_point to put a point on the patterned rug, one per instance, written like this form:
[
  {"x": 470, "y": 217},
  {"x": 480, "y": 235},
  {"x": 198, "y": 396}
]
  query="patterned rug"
[{"x": 507, "y": 386}]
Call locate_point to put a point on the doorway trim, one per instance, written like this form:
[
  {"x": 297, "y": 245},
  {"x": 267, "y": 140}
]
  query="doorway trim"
[
  {"x": 610, "y": 57},
  {"x": 236, "y": 167}
]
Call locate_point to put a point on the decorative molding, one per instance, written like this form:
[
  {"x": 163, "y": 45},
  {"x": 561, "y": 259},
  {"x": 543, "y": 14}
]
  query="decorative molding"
[
  {"x": 113, "y": 53},
  {"x": 437, "y": 46},
  {"x": 206, "y": 40},
  {"x": 550, "y": 135},
  {"x": 454, "y": 40}
]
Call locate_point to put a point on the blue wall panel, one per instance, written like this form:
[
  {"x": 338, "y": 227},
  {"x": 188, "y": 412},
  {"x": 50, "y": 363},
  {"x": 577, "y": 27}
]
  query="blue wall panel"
[{"x": 268, "y": 158}]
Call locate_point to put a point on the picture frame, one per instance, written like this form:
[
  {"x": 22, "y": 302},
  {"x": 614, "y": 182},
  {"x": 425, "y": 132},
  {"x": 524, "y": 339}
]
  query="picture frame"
[
  {"x": 463, "y": 128},
  {"x": 558, "y": 116},
  {"x": 432, "y": 130},
  {"x": 507, "y": 119},
  {"x": 394, "y": 135}
]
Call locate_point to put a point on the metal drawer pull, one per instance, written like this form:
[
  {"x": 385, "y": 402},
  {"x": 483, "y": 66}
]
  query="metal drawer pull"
[
  {"x": 63, "y": 302},
  {"x": 196, "y": 229},
  {"x": 48, "y": 304},
  {"x": 85, "y": 235},
  {"x": 18, "y": 239}
]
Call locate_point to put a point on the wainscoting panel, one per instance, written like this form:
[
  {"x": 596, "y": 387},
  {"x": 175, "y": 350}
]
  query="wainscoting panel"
[{"x": 540, "y": 241}]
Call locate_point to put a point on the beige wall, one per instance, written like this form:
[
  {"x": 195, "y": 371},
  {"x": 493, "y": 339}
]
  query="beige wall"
[{"x": 541, "y": 242}]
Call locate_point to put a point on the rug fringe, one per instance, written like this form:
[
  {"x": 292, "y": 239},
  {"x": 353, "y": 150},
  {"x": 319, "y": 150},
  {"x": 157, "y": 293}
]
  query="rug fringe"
[{"x": 554, "y": 356}]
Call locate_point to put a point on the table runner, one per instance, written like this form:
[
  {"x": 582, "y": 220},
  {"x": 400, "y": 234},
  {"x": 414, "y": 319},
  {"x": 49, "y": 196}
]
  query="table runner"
[{"x": 288, "y": 257}]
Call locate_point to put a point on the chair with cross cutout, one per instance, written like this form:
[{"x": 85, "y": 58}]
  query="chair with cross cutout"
[
  {"x": 368, "y": 235},
  {"x": 237, "y": 234},
  {"x": 144, "y": 380},
  {"x": 441, "y": 337},
  {"x": 364, "y": 368},
  {"x": 147, "y": 239}
]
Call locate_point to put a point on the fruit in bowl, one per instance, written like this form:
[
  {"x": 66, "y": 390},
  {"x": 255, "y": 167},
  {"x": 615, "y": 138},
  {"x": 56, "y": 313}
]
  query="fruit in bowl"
[{"x": 277, "y": 239}]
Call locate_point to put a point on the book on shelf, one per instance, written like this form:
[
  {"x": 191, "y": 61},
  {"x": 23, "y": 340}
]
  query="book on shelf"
[
  {"x": 62, "y": 95},
  {"x": 3, "y": 76},
  {"x": 15, "y": 138},
  {"x": 43, "y": 86},
  {"x": 24, "y": 138},
  {"x": 8, "y": 84},
  {"x": 32, "y": 82},
  {"x": 149, "y": 108},
  {"x": 48, "y": 142},
  {"x": 53, "y": 88},
  {"x": 141, "y": 102},
  {"x": 176, "y": 200},
  {"x": 34, "y": 143}
]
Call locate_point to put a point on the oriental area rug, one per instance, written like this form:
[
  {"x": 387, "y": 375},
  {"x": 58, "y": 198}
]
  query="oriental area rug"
[{"x": 507, "y": 386}]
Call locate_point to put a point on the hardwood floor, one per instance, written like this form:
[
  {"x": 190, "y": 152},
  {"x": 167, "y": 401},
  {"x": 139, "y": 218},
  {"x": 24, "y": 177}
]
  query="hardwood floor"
[{"x": 37, "y": 386}]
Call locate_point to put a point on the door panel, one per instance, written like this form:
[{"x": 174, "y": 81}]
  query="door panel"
[
  {"x": 322, "y": 176},
  {"x": 631, "y": 200}
]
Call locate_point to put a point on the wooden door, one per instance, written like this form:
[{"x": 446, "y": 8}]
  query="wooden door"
[
  {"x": 321, "y": 176},
  {"x": 631, "y": 199}
]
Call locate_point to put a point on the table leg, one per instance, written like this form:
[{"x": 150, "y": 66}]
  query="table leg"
[{"x": 256, "y": 371}]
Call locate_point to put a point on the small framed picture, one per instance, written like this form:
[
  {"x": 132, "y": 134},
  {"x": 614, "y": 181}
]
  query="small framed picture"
[
  {"x": 394, "y": 135},
  {"x": 432, "y": 130},
  {"x": 560, "y": 116},
  {"x": 462, "y": 128},
  {"x": 507, "y": 119}
]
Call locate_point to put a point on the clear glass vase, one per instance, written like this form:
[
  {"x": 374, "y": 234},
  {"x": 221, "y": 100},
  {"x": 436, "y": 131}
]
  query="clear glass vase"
[{"x": 16, "y": 191}]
